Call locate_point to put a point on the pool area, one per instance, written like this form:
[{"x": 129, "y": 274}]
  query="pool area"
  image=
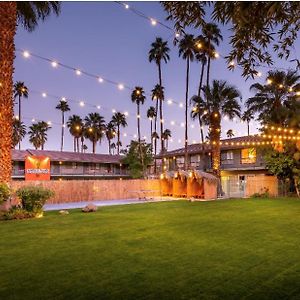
[{"x": 73, "y": 205}]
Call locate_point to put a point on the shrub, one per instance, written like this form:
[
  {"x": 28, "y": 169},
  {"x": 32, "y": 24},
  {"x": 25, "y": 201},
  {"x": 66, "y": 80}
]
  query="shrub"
[
  {"x": 17, "y": 214},
  {"x": 263, "y": 194},
  {"x": 33, "y": 198},
  {"x": 4, "y": 192}
]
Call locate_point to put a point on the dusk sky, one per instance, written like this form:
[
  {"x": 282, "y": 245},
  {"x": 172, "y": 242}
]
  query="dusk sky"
[{"x": 108, "y": 40}]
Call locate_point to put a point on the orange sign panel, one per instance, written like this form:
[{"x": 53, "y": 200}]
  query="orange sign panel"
[{"x": 37, "y": 168}]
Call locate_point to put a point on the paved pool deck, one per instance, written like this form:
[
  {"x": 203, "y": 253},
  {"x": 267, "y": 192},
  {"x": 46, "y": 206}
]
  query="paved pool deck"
[{"x": 72, "y": 205}]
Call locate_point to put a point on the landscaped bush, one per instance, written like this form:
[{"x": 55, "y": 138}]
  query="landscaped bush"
[
  {"x": 263, "y": 194},
  {"x": 4, "y": 192},
  {"x": 33, "y": 198},
  {"x": 17, "y": 213}
]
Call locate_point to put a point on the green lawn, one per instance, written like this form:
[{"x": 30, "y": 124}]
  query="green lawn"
[{"x": 231, "y": 249}]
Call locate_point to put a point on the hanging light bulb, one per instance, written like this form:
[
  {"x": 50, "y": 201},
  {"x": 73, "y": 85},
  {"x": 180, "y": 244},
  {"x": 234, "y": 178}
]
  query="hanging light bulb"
[
  {"x": 54, "y": 64},
  {"x": 26, "y": 54},
  {"x": 98, "y": 106},
  {"x": 126, "y": 113},
  {"x": 44, "y": 95},
  {"x": 216, "y": 55},
  {"x": 78, "y": 72},
  {"x": 259, "y": 74},
  {"x": 170, "y": 101},
  {"x": 81, "y": 103},
  {"x": 100, "y": 79},
  {"x": 153, "y": 22},
  {"x": 126, "y": 6},
  {"x": 120, "y": 86}
]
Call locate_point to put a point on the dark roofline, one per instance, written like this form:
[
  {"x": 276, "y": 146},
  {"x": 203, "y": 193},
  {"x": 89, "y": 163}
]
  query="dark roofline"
[
  {"x": 205, "y": 148},
  {"x": 20, "y": 155}
]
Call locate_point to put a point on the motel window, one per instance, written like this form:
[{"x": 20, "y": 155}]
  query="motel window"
[
  {"x": 248, "y": 156},
  {"x": 227, "y": 157},
  {"x": 74, "y": 165},
  {"x": 195, "y": 158}
]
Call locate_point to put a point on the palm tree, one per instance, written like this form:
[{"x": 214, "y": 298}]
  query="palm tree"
[
  {"x": 230, "y": 133},
  {"x": 113, "y": 148},
  {"x": 84, "y": 148},
  {"x": 19, "y": 132},
  {"x": 12, "y": 13},
  {"x": 166, "y": 135},
  {"x": 159, "y": 52},
  {"x": 76, "y": 129},
  {"x": 212, "y": 35},
  {"x": 272, "y": 100},
  {"x": 119, "y": 120},
  {"x": 110, "y": 134},
  {"x": 63, "y": 106},
  {"x": 138, "y": 97},
  {"x": 247, "y": 117},
  {"x": 20, "y": 91},
  {"x": 95, "y": 126},
  {"x": 223, "y": 100},
  {"x": 157, "y": 94},
  {"x": 198, "y": 112},
  {"x": 187, "y": 51},
  {"x": 151, "y": 114},
  {"x": 38, "y": 134}
]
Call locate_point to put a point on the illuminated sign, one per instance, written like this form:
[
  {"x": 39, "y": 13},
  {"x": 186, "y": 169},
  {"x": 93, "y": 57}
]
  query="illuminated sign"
[{"x": 37, "y": 168}]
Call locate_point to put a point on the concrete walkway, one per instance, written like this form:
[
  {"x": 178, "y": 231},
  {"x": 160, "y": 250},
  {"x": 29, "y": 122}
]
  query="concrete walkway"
[{"x": 72, "y": 205}]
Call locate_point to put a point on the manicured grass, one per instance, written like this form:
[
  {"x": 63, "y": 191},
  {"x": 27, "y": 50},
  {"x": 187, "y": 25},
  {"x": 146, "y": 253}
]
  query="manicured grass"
[{"x": 231, "y": 249}]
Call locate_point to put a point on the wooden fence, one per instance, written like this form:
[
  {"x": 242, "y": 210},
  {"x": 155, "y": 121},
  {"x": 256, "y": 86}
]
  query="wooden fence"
[{"x": 89, "y": 190}]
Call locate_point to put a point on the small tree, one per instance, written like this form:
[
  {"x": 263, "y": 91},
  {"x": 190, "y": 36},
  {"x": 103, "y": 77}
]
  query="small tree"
[{"x": 134, "y": 161}]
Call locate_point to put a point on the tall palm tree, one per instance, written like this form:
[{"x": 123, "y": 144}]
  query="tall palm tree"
[
  {"x": 76, "y": 129},
  {"x": 20, "y": 91},
  {"x": 84, "y": 148},
  {"x": 110, "y": 134},
  {"x": 151, "y": 114},
  {"x": 119, "y": 120},
  {"x": 95, "y": 126},
  {"x": 159, "y": 52},
  {"x": 19, "y": 132},
  {"x": 157, "y": 94},
  {"x": 247, "y": 117},
  {"x": 198, "y": 112},
  {"x": 113, "y": 148},
  {"x": 187, "y": 52},
  {"x": 12, "y": 13},
  {"x": 212, "y": 35},
  {"x": 223, "y": 100},
  {"x": 273, "y": 99},
  {"x": 166, "y": 135},
  {"x": 63, "y": 106},
  {"x": 38, "y": 134},
  {"x": 138, "y": 97},
  {"x": 230, "y": 133}
]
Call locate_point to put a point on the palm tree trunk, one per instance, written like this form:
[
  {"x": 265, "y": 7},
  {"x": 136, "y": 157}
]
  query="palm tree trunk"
[
  {"x": 74, "y": 143},
  {"x": 62, "y": 131},
  {"x": 248, "y": 128},
  {"x": 82, "y": 141},
  {"x": 155, "y": 141},
  {"x": 208, "y": 64},
  {"x": 8, "y": 20},
  {"x": 20, "y": 112},
  {"x": 151, "y": 131},
  {"x": 215, "y": 123},
  {"x": 199, "y": 94},
  {"x": 139, "y": 137},
  {"x": 118, "y": 146},
  {"x": 94, "y": 146},
  {"x": 186, "y": 115},
  {"x": 77, "y": 142},
  {"x": 109, "y": 144}
]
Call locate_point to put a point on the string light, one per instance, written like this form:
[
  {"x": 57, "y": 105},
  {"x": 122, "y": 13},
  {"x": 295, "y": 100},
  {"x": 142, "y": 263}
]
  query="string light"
[
  {"x": 98, "y": 107},
  {"x": 54, "y": 64},
  {"x": 126, "y": 6},
  {"x": 78, "y": 72},
  {"x": 170, "y": 101},
  {"x": 81, "y": 103},
  {"x": 120, "y": 86},
  {"x": 44, "y": 95},
  {"x": 259, "y": 74},
  {"x": 100, "y": 79},
  {"x": 153, "y": 22},
  {"x": 26, "y": 54},
  {"x": 216, "y": 55}
]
